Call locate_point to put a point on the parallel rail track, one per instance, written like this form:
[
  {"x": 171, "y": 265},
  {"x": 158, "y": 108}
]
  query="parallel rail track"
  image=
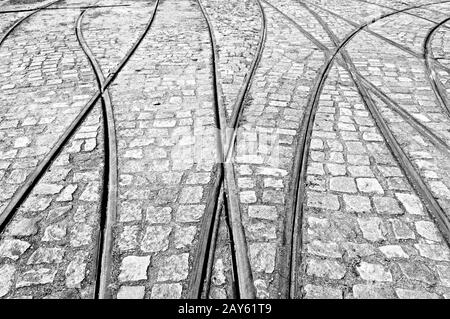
[
  {"x": 225, "y": 179},
  {"x": 424, "y": 130},
  {"x": 64, "y": 8},
  {"x": 290, "y": 285},
  {"x": 401, "y": 2},
  {"x": 441, "y": 97},
  {"x": 393, "y": 43},
  {"x": 21, "y": 20},
  {"x": 224, "y": 193},
  {"x": 428, "y": 56},
  {"x": 109, "y": 196},
  {"x": 394, "y": 106},
  {"x": 108, "y": 204}
]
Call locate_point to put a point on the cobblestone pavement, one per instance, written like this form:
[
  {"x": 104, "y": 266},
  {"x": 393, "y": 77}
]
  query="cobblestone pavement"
[{"x": 116, "y": 117}]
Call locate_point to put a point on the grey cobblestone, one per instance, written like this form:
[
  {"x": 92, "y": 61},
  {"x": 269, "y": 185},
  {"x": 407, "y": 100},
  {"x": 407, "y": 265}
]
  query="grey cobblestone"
[
  {"x": 134, "y": 268},
  {"x": 111, "y": 41},
  {"x": 222, "y": 272},
  {"x": 402, "y": 85},
  {"x": 318, "y": 292},
  {"x": 387, "y": 231},
  {"x": 166, "y": 291},
  {"x": 6, "y": 278},
  {"x": 166, "y": 144},
  {"x": 36, "y": 277},
  {"x": 278, "y": 96},
  {"x": 31, "y": 61},
  {"x": 54, "y": 239},
  {"x": 76, "y": 271},
  {"x": 329, "y": 269},
  {"x": 373, "y": 272},
  {"x": 131, "y": 292},
  {"x": 372, "y": 291},
  {"x": 175, "y": 268},
  {"x": 236, "y": 26},
  {"x": 365, "y": 231}
]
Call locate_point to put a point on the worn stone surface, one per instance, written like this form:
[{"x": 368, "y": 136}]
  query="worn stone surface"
[
  {"x": 365, "y": 232},
  {"x": 34, "y": 66},
  {"x": 134, "y": 268},
  {"x": 36, "y": 277},
  {"x": 166, "y": 291},
  {"x": 175, "y": 268},
  {"x": 318, "y": 292},
  {"x": 163, "y": 107},
  {"x": 387, "y": 233},
  {"x": 13, "y": 248},
  {"x": 6, "y": 278},
  {"x": 76, "y": 271},
  {"x": 265, "y": 145},
  {"x": 131, "y": 292}
]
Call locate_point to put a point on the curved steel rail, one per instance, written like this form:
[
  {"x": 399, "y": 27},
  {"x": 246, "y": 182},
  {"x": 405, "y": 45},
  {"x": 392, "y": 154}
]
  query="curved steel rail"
[
  {"x": 209, "y": 227},
  {"x": 108, "y": 205},
  {"x": 42, "y": 167},
  {"x": 225, "y": 177},
  {"x": 18, "y": 22},
  {"x": 427, "y": 55},
  {"x": 393, "y": 43},
  {"x": 408, "y": 13},
  {"x": 294, "y": 240}
]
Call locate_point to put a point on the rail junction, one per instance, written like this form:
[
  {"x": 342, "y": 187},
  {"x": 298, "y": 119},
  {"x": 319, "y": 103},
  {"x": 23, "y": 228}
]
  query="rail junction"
[{"x": 224, "y": 149}]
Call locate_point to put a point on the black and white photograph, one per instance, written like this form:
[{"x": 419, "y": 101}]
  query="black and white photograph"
[{"x": 200, "y": 150}]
